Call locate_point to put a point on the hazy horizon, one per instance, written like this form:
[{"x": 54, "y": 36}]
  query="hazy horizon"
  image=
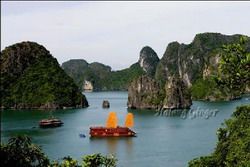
[{"x": 113, "y": 33}]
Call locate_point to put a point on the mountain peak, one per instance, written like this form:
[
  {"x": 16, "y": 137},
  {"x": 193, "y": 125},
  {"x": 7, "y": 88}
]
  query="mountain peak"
[
  {"x": 32, "y": 79},
  {"x": 148, "y": 60}
]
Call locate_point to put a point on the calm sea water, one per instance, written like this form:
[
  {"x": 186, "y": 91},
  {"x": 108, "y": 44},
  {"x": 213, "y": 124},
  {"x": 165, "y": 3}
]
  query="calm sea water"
[{"x": 162, "y": 139}]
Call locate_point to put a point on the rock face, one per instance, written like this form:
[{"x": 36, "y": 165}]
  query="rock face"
[
  {"x": 80, "y": 71},
  {"x": 148, "y": 60},
  {"x": 31, "y": 78},
  {"x": 177, "y": 95},
  {"x": 196, "y": 63},
  {"x": 183, "y": 68},
  {"x": 143, "y": 93},
  {"x": 87, "y": 86},
  {"x": 195, "y": 60},
  {"x": 105, "y": 104},
  {"x": 101, "y": 76}
]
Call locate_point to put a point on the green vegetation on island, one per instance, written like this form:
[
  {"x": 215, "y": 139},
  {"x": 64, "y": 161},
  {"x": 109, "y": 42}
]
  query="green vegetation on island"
[
  {"x": 196, "y": 64},
  {"x": 191, "y": 71},
  {"x": 32, "y": 78},
  {"x": 233, "y": 146},
  {"x": 231, "y": 77},
  {"x": 207, "y": 89},
  {"x": 100, "y": 75},
  {"x": 119, "y": 80},
  {"x": 80, "y": 70}
]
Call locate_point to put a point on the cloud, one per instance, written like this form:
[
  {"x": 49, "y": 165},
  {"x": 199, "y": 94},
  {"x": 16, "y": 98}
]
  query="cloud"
[{"x": 114, "y": 32}]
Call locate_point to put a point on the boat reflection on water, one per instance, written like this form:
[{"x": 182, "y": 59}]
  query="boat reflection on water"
[
  {"x": 115, "y": 138},
  {"x": 113, "y": 144}
]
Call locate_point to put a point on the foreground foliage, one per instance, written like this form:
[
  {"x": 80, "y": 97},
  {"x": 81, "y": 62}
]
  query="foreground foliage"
[
  {"x": 96, "y": 160},
  {"x": 234, "y": 68},
  {"x": 21, "y": 152},
  {"x": 233, "y": 147},
  {"x": 93, "y": 160}
]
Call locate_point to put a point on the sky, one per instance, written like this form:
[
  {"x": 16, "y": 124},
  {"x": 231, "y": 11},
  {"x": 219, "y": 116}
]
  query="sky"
[{"x": 112, "y": 32}]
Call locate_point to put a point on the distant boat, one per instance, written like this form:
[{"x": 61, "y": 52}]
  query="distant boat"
[
  {"x": 112, "y": 130},
  {"x": 50, "y": 123}
]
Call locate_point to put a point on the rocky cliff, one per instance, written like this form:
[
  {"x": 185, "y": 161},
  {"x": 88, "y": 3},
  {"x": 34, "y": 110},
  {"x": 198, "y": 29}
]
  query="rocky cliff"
[
  {"x": 192, "y": 67},
  {"x": 193, "y": 61},
  {"x": 87, "y": 86},
  {"x": 148, "y": 60},
  {"x": 185, "y": 71},
  {"x": 31, "y": 78},
  {"x": 100, "y": 76},
  {"x": 103, "y": 78},
  {"x": 196, "y": 63},
  {"x": 145, "y": 93},
  {"x": 80, "y": 71},
  {"x": 177, "y": 95}
]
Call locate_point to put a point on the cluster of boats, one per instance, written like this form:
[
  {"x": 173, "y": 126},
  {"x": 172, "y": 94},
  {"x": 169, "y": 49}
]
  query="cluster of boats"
[{"x": 110, "y": 130}]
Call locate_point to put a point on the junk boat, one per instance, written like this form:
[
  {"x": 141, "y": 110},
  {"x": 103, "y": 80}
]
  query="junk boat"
[
  {"x": 50, "y": 123},
  {"x": 112, "y": 130}
]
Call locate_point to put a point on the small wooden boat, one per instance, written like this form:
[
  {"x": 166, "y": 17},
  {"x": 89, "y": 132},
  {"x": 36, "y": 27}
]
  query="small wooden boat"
[{"x": 50, "y": 123}]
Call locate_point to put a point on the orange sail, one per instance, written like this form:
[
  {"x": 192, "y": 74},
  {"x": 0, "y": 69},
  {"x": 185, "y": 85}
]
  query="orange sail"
[
  {"x": 129, "y": 122},
  {"x": 112, "y": 120}
]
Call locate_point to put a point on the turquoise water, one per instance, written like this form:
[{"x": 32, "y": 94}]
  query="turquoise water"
[{"x": 162, "y": 139}]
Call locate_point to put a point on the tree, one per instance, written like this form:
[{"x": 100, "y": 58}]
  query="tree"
[
  {"x": 234, "y": 68},
  {"x": 19, "y": 151},
  {"x": 233, "y": 146},
  {"x": 67, "y": 162},
  {"x": 97, "y": 160}
]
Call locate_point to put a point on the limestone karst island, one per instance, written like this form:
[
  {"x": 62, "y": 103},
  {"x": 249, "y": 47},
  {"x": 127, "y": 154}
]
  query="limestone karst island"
[{"x": 133, "y": 84}]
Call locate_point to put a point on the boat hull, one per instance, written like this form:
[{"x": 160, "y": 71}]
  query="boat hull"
[
  {"x": 111, "y": 132},
  {"x": 50, "y": 123}
]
